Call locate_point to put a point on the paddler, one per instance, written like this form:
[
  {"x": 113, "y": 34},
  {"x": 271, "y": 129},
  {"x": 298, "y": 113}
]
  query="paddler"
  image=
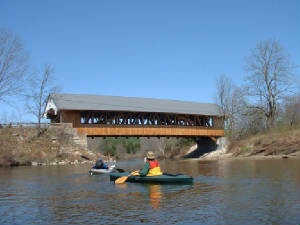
[
  {"x": 151, "y": 166},
  {"x": 100, "y": 164}
]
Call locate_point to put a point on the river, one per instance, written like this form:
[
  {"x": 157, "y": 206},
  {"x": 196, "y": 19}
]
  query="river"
[{"x": 223, "y": 192}]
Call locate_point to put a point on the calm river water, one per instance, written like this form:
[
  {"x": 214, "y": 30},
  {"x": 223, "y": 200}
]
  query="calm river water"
[{"x": 223, "y": 192}]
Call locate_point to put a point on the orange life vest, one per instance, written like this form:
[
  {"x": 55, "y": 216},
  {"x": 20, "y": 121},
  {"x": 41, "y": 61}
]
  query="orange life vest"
[
  {"x": 154, "y": 168},
  {"x": 153, "y": 163}
]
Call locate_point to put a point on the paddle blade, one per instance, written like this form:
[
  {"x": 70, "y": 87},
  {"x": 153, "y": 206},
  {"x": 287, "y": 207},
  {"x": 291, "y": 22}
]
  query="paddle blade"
[{"x": 121, "y": 180}]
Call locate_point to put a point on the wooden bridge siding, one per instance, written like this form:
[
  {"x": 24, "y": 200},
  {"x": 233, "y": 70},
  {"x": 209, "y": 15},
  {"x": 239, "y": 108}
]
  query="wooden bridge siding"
[
  {"x": 73, "y": 117},
  {"x": 151, "y": 131},
  {"x": 70, "y": 116}
]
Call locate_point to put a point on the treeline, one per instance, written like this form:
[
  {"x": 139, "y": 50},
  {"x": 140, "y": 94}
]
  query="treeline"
[
  {"x": 19, "y": 80},
  {"x": 268, "y": 99}
]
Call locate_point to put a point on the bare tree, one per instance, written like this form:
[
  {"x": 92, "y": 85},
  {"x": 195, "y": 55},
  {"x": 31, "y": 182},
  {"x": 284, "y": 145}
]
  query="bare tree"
[
  {"x": 41, "y": 88},
  {"x": 269, "y": 79},
  {"x": 232, "y": 104},
  {"x": 13, "y": 65},
  {"x": 224, "y": 97},
  {"x": 291, "y": 110}
]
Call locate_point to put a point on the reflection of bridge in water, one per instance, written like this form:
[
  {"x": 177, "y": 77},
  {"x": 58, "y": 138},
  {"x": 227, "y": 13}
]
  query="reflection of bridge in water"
[{"x": 111, "y": 116}]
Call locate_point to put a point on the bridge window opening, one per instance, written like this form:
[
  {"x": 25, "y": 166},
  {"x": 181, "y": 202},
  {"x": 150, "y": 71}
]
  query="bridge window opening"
[
  {"x": 211, "y": 121},
  {"x": 148, "y": 119}
]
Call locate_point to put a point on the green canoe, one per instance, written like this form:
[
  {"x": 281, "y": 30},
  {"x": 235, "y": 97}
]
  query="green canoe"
[{"x": 161, "y": 179}]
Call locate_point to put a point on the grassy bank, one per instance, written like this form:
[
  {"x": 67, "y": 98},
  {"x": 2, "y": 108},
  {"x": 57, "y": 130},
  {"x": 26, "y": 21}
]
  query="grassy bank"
[
  {"x": 24, "y": 145},
  {"x": 284, "y": 142},
  {"x": 56, "y": 145}
]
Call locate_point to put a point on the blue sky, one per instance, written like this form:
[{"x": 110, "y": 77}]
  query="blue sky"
[{"x": 167, "y": 49}]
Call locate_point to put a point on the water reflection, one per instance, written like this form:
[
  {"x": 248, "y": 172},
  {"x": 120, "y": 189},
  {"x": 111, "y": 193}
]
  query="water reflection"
[
  {"x": 155, "y": 195},
  {"x": 152, "y": 192},
  {"x": 224, "y": 192}
]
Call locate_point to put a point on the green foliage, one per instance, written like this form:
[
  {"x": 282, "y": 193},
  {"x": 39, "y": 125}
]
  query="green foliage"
[
  {"x": 111, "y": 149},
  {"x": 186, "y": 142},
  {"x": 132, "y": 145}
]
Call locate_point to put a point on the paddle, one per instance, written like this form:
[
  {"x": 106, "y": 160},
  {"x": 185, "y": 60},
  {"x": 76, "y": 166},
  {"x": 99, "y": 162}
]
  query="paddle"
[{"x": 123, "y": 179}]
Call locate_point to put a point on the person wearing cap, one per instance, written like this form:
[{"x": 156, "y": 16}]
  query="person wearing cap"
[
  {"x": 100, "y": 164},
  {"x": 151, "y": 166}
]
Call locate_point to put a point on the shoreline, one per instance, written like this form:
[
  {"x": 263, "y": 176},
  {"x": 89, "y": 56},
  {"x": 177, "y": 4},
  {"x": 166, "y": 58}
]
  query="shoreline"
[
  {"x": 212, "y": 156},
  {"x": 222, "y": 154},
  {"x": 296, "y": 156}
]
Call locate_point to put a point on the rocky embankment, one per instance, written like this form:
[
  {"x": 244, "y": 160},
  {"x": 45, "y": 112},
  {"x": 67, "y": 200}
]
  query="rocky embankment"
[{"x": 51, "y": 146}]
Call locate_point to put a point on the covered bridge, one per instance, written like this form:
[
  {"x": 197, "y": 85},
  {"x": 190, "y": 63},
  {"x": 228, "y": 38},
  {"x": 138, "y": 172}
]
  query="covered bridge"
[{"x": 98, "y": 115}]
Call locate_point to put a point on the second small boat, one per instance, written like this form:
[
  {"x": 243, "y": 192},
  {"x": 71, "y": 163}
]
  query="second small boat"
[{"x": 110, "y": 169}]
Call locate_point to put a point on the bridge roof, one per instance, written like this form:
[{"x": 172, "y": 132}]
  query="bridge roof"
[{"x": 130, "y": 104}]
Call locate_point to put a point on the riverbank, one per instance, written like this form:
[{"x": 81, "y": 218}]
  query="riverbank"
[
  {"x": 59, "y": 146},
  {"x": 53, "y": 145},
  {"x": 272, "y": 145}
]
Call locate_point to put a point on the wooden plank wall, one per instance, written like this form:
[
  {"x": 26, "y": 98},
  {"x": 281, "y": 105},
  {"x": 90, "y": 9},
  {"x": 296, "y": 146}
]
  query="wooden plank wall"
[
  {"x": 71, "y": 117},
  {"x": 151, "y": 131}
]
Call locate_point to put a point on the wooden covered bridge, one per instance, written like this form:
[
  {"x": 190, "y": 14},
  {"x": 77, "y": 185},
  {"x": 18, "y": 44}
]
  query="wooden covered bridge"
[{"x": 113, "y": 116}]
